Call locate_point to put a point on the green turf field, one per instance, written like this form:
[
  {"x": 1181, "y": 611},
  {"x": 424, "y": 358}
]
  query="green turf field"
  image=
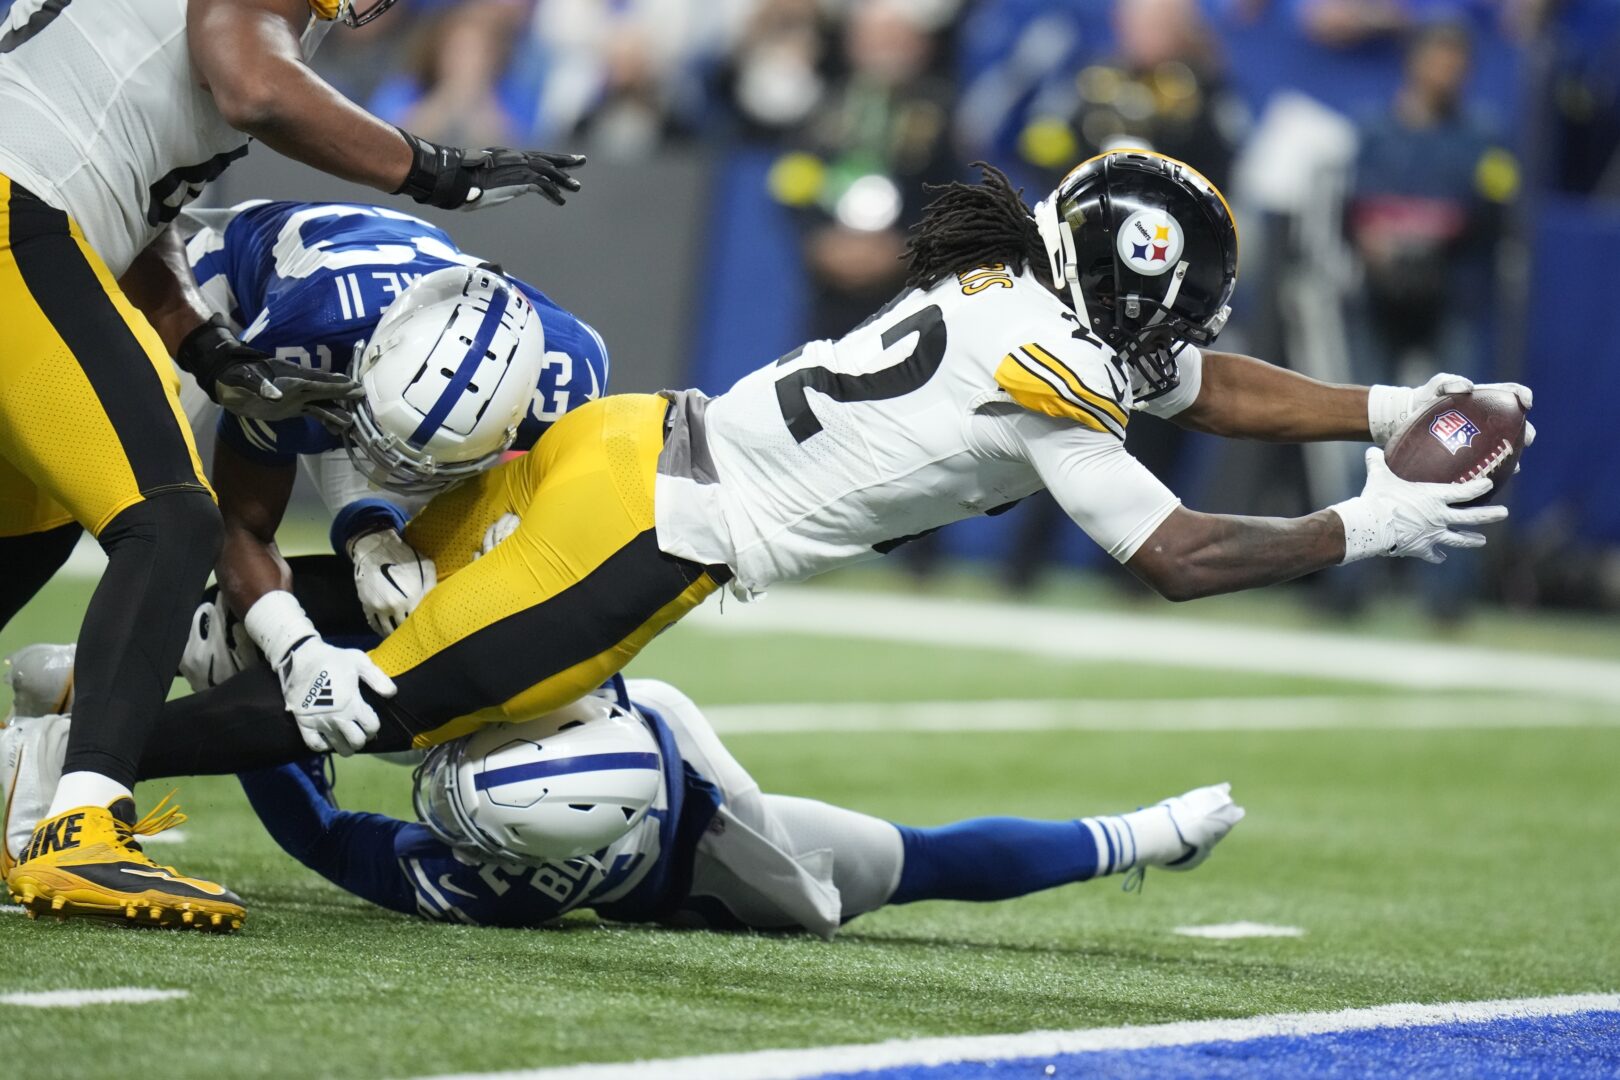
[{"x": 1423, "y": 864}]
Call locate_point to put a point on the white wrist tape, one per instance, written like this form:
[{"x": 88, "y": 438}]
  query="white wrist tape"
[
  {"x": 1388, "y": 408},
  {"x": 276, "y": 622},
  {"x": 1364, "y": 530}
]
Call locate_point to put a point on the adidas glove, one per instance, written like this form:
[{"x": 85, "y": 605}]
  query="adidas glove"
[
  {"x": 456, "y": 179},
  {"x": 250, "y": 383},
  {"x": 390, "y": 576},
  {"x": 1396, "y": 517},
  {"x": 1390, "y": 407},
  {"x": 320, "y": 683}
]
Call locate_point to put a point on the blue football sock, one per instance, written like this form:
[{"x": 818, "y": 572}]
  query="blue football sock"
[{"x": 1000, "y": 858}]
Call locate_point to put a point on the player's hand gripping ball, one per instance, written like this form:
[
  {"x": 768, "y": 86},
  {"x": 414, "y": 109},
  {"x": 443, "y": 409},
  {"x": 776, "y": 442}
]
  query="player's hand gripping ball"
[{"x": 1460, "y": 437}]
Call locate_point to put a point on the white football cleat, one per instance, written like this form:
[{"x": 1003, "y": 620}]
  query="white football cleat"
[
  {"x": 1201, "y": 818},
  {"x": 41, "y": 680},
  {"x": 32, "y": 749}
]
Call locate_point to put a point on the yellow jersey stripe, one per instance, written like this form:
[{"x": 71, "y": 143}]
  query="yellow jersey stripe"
[
  {"x": 1074, "y": 383},
  {"x": 1039, "y": 396}
]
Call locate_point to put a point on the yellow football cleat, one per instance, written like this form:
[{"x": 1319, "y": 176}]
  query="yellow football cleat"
[{"x": 86, "y": 863}]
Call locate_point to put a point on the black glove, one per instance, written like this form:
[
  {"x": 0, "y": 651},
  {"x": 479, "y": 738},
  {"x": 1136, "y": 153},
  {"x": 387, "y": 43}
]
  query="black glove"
[
  {"x": 250, "y": 383},
  {"x": 457, "y": 179}
]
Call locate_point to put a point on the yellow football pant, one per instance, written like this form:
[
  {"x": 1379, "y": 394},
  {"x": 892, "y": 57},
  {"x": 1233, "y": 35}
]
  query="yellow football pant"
[
  {"x": 90, "y": 420},
  {"x": 566, "y": 601}
]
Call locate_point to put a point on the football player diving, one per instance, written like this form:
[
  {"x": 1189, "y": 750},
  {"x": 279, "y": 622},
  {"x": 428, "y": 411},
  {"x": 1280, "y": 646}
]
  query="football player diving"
[
  {"x": 627, "y": 803},
  {"x": 114, "y": 115},
  {"x": 1013, "y": 361},
  {"x": 389, "y": 298}
]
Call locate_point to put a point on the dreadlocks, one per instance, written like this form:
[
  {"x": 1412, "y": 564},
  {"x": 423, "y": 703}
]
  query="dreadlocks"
[{"x": 969, "y": 225}]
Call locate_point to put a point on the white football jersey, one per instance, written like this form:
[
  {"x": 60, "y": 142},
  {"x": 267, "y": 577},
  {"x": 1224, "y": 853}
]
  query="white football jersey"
[
  {"x": 954, "y": 401},
  {"x": 103, "y": 116}
]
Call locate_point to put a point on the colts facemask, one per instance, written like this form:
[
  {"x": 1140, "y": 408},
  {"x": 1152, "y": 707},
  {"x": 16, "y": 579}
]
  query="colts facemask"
[{"x": 1147, "y": 250}]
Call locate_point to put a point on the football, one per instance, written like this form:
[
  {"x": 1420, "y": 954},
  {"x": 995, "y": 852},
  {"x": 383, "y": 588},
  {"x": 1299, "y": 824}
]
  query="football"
[{"x": 1459, "y": 437}]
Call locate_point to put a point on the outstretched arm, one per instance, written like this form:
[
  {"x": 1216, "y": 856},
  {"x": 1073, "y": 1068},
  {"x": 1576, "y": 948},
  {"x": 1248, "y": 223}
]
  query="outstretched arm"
[
  {"x": 353, "y": 851},
  {"x": 1184, "y": 555},
  {"x": 1245, "y": 398},
  {"x": 1239, "y": 397},
  {"x": 250, "y": 58},
  {"x": 1192, "y": 555},
  {"x": 242, "y": 379}
]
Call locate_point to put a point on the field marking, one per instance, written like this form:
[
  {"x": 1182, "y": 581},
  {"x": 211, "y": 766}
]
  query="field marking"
[
  {"x": 819, "y": 1061},
  {"x": 11, "y": 909},
  {"x": 77, "y": 999},
  {"x": 1233, "y": 930},
  {"x": 1165, "y": 641},
  {"x": 1298, "y": 713}
]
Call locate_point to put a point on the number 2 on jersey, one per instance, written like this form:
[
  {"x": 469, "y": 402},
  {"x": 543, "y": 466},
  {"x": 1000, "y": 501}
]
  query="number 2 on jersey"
[{"x": 894, "y": 381}]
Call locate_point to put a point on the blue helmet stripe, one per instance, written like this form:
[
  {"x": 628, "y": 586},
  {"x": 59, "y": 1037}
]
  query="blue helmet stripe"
[
  {"x": 536, "y": 770},
  {"x": 469, "y": 364}
]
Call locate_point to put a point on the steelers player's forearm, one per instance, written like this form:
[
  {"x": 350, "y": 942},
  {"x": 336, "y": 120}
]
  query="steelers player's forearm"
[
  {"x": 1193, "y": 555},
  {"x": 160, "y": 283},
  {"x": 249, "y": 55},
  {"x": 1245, "y": 398},
  {"x": 252, "y": 500}
]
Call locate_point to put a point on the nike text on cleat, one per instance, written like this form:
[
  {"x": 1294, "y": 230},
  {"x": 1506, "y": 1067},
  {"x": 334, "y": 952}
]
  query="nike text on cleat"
[{"x": 86, "y": 863}]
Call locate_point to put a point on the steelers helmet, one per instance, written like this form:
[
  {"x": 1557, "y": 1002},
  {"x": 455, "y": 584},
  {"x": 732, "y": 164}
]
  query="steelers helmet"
[{"x": 1148, "y": 251}]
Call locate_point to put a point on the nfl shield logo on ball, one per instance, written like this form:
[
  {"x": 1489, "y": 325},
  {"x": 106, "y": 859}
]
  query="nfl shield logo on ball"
[{"x": 1454, "y": 430}]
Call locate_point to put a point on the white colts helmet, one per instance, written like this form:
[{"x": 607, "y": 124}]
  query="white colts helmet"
[
  {"x": 560, "y": 787},
  {"x": 448, "y": 374}
]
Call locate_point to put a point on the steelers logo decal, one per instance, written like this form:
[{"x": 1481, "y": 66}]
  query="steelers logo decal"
[{"x": 1151, "y": 242}]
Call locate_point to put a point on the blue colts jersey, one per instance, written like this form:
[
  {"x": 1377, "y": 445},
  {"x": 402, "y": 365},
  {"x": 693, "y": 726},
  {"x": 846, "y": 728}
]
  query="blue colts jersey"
[{"x": 309, "y": 282}]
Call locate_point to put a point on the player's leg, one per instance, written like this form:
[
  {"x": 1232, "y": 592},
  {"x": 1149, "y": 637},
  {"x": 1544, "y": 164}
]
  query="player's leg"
[
  {"x": 875, "y": 863},
  {"x": 565, "y": 601},
  {"x": 88, "y": 413},
  {"x": 999, "y": 858},
  {"x": 30, "y": 561},
  {"x": 547, "y": 616}
]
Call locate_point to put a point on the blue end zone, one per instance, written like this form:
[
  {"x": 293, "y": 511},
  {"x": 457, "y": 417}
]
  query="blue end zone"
[{"x": 1580, "y": 1046}]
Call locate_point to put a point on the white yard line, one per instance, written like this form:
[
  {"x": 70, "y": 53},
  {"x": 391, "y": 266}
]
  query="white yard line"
[
  {"x": 818, "y": 1061},
  {"x": 1165, "y": 640},
  {"x": 77, "y": 999},
  {"x": 1307, "y": 713},
  {"x": 10, "y": 909},
  {"x": 1132, "y": 637},
  {"x": 1232, "y": 930}
]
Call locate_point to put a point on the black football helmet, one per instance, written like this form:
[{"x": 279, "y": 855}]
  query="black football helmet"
[{"x": 1148, "y": 251}]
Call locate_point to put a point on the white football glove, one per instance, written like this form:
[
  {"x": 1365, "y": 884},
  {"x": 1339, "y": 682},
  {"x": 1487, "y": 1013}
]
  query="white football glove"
[
  {"x": 1397, "y": 517},
  {"x": 1390, "y": 407},
  {"x": 390, "y": 576},
  {"x": 320, "y": 683},
  {"x": 504, "y": 526},
  {"x": 217, "y": 646}
]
